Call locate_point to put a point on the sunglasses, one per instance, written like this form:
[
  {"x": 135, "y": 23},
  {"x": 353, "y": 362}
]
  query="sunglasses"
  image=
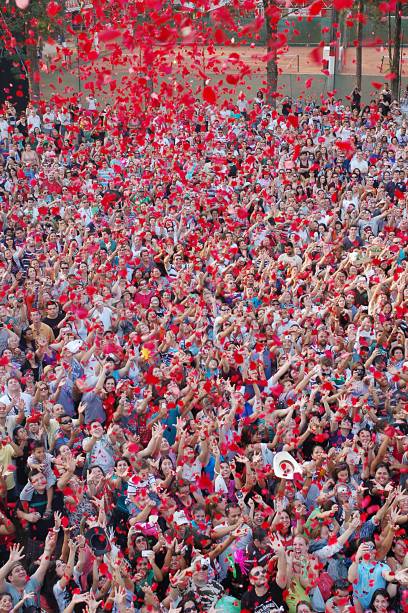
[
  {"x": 67, "y": 421},
  {"x": 200, "y": 567},
  {"x": 258, "y": 573},
  {"x": 189, "y": 609}
]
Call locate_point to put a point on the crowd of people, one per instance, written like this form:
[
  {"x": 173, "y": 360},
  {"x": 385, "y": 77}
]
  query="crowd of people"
[{"x": 204, "y": 357}]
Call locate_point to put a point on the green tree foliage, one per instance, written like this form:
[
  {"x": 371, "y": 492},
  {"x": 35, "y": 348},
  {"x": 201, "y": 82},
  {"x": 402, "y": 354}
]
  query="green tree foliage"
[{"x": 23, "y": 32}]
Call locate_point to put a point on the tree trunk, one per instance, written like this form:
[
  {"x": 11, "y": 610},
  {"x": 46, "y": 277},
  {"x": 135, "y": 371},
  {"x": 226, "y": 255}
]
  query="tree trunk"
[
  {"x": 271, "y": 22},
  {"x": 396, "y": 52},
  {"x": 33, "y": 72},
  {"x": 359, "y": 48}
]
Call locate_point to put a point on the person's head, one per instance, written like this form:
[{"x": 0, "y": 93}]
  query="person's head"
[
  {"x": 260, "y": 538},
  {"x": 397, "y": 353},
  {"x": 95, "y": 475},
  {"x": 341, "y": 591},
  {"x": 303, "y": 607},
  {"x": 289, "y": 248},
  {"x": 369, "y": 549},
  {"x": 13, "y": 385},
  {"x": 258, "y": 577},
  {"x": 198, "y": 513},
  {"x": 65, "y": 423},
  {"x": 35, "y": 317},
  {"x": 382, "y": 474},
  {"x": 364, "y": 437},
  {"x": 110, "y": 382},
  {"x": 37, "y": 480},
  {"x": 399, "y": 548},
  {"x": 341, "y": 473},
  {"x": 17, "y": 575},
  {"x": 225, "y": 470},
  {"x": 317, "y": 453},
  {"x": 52, "y": 309},
  {"x": 283, "y": 522},
  {"x": 233, "y": 514},
  {"x": 60, "y": 567},
  {"x": 300, "y": 545},
  {"x": 380, "y": 601},
  {"x": 96, "y": 429},
  {"x": 6, "y": 603},
  {"x": 200, "y": 568},
  {"x": 142, "y": 566},
  {"x": 188, "y": 604},
  {"x": 38, "y": 452},
  {"x": 140, "y": 542}
]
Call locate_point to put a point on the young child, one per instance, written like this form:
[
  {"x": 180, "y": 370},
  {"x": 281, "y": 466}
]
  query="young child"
[{"x": 41, "y": 460}]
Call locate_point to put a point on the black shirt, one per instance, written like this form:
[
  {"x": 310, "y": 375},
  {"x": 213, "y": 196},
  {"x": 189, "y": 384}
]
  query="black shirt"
[
  {"x": 38, "y": 504},
  {"x": 271, "y": 601},
  {"x": 53, "y": 323}
]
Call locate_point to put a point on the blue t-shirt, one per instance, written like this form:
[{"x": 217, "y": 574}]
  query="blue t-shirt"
[
  {"x": 169, "y": 423},
  {"x": 370, "y": 579},
  {"x": 32, "y": 585}
]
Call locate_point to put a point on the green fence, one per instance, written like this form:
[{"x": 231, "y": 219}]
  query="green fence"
[{"x": 301, "y": 31}]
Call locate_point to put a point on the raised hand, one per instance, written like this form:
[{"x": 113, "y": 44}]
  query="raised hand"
[
  {"x": 276, "y": 544},
  {"x": 16, "y": 553},
  {"x": 57, "y": 520},
  {"x": 120, "y": 595}
]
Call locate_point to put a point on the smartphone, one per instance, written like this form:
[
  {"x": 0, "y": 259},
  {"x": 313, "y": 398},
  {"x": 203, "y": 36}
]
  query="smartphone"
[{"x": 146, "y": 553}]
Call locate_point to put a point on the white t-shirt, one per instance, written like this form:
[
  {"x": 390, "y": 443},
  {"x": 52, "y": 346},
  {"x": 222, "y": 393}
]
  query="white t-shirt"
[
  {"x": 220, "y": 485},
  {"x": 361, "y": 165},
  {"x": 191, "y": 472},
  {"x": 3, "y": 128},
  {"x": 105, "y": 317},
  {"x": 48, "y": 120},
  {"x": 101, "y": 453},
  {"x": 7, "y": 400},
  {"x": 91, "y": 104},
  {"x": 33, "y": 122}
]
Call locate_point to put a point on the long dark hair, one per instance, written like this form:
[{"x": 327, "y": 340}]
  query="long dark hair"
[{"x": 379, "y": 592}]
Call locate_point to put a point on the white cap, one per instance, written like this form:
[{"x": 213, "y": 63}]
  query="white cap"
[
  {"x": 285, "y": 467},
  {"x": 74, "y": 346}
]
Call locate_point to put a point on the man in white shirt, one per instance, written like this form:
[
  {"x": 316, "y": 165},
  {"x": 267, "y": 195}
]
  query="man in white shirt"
[
  {"x": 4, "y": 126},
  {"x": 359, "y": 162},
  {"x": 33, "y": 121},
  {"x": 48, "y": 120},
  {"x": 91, "y": 100},
  {"x": 14, "y": 395},
  {"x": 289, "y": 258},
  {"x": 102, "y": 313}
]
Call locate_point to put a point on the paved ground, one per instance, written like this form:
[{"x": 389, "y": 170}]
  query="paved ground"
[{"x": 250, "y": 62}]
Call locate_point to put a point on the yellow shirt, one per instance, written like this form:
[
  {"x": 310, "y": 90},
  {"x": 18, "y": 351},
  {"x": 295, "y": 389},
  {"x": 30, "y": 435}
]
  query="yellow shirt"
[
  {"x": 6, "y": 461},
  {"x": 43, "y": 330}
]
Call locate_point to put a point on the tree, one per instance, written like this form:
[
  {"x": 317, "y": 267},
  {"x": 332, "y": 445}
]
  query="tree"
[
  {"x": 274, "y": 11},
  {"x": 359, "y": 47},
  {"x": 394, "y": 49},
  {"x": 23, "y": 31},
  {"x": 272, "y": 16}
]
